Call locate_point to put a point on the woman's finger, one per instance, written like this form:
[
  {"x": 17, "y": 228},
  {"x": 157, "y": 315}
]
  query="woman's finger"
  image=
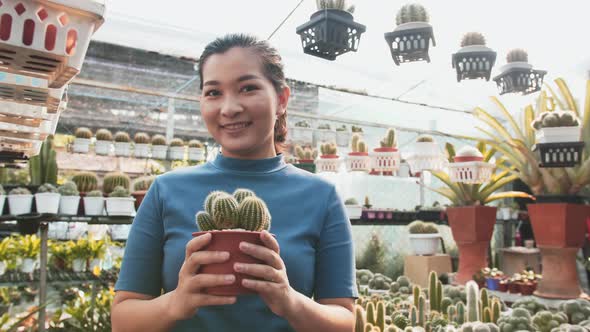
[
  {"x": 270, "y": 241},
  {"x": 196, "y": 259},
  {"x": 197, "y": 243},
  {"x": 265, "y": 254},
  {"x": 202, "y": 300},
  {"x": 205, "y": 280},
  {"x": 260, "y": 286},
  {"x": 261, "y": 271}
]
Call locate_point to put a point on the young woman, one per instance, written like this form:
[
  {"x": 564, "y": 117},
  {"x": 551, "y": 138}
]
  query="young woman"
[{"x": 243, "y": 103}]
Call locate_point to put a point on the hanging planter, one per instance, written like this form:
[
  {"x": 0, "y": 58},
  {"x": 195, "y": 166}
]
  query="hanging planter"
[
  {"x": 474, "y": 60},
  {"x": 122, "y": 144},
  {"x": 518, "y": 76},
  {"x": 141, "y": 147},
  {"x": 426, "y": 156},
  {"x": 410, "y": 40},
  {"x": 328, "y": 160},
  {"x": 305, "y": 158},
  {"x": 29, "y": 90},
  {"x": 331, "y": 31},
  {"x": 82, "y": 140},
  {"x": 358, "y": 160},
  {"x": 558, "y": 136},
  {"x": 104, "y": 138},
  {"x": 386, "y": 159},
  {"x": 469, "y": 167}
]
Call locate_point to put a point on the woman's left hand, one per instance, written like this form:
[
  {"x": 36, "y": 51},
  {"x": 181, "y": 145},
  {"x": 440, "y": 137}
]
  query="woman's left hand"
[{"x": 274, "y": 288}]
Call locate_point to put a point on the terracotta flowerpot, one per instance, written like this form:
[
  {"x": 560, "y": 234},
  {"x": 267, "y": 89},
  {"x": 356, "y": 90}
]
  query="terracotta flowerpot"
[
  {"x": 138, "y": 195},
  {"x": 472, "y": 228},
  {"x": 514, "y": 287},
  {"x": 559, "y": 230},
  {"x": 229, "y": 241},
  {"x": 527, "y": 288},
  {"x": 503, "y": 287}
]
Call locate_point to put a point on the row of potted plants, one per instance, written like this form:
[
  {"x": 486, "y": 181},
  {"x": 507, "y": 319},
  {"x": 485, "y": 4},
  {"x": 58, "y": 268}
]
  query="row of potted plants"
[
  {"x": 524, "y": 283},
  {"x": 143, "y": 145},
  {"x": 302, "y": 132}
]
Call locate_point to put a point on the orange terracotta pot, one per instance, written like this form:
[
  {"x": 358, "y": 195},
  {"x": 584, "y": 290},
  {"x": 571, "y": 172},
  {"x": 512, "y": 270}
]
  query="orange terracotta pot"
[
  {"x": 472, "y": 228},
  {"x": 138, "y": 195}
]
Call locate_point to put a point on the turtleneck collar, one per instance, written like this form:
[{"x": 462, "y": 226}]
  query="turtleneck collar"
[{"x": 245, "y": 166}]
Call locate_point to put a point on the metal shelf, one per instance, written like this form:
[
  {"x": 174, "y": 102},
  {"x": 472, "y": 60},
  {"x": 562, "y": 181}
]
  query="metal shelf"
[{"x": 91, "y": 220}]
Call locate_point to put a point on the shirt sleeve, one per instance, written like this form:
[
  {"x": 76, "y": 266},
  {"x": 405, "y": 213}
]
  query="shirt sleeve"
[
  {"x": 335, "y": 275},
  {"x": 141, "y": 270}
]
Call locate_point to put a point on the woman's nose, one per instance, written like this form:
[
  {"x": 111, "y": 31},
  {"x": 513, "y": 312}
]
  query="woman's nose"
[{"x": 231, "y": 106}]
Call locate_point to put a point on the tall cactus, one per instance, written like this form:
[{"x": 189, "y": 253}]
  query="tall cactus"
[
  {"x": 354, "y": 142},
  {"x": 253, "y": 214},
  {"x": 486, "y": 315},
  {"x": 370, "y": 313},
  {"x": 380, "y": 319},
  {"x": 86, "y": 181},
  {"x": 114, "y": 179},
  {"x": 208, "y": 206},
  {"x": 496, "y": 308},
  {"x": 360, "y": 320},
  {"x": 451, "y": 313},
  {"x": 43, "y": 167},
  {"x": 484, "y": 298},
  {"x": 225, "y": 212},
  {"x": 422, "y": 311},
  {"x": 473, "y": 314},
  {"x": 416, "y": 295},
  {"x": 460, "y": 313},
  {"x": 389, "y": 140},
  {"x": 439, "y": 296},
  {"x": 433, "y": 292},
  {"x": 414, "y": 316}
]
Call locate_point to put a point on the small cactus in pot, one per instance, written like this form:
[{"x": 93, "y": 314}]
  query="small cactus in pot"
[
  {"x": 85, "y": 181},
  {"x": 82, "y": 140},
  {"x": 176, "y": 149},
  {"x": 114, "y": 179},
  {"x": 70, "y": 198},
  {"x": 140, "y": 188},
  {"x": 47, "y": 199},
  {"x": 141, "y": 138},
  {"x": 20, "y": 201},
  {"x": 122, "y": 144},
  {"x": 120, "y": 202},
  {"x": 159, "y": 147},
  {"x": 424, "y": 237},
  {"x": 141, "y": 148},
  {"x": 104, "y": 137}
]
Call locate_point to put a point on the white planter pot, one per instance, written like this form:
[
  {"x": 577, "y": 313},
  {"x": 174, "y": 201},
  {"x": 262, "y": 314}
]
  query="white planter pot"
[
  {"x": 58, "y": 230},
  {"x": 79, "y": 265},
  {"x": 120, "y": 232},
  {"x": 471, "y": 171},
  {"x": 358, "y": 163},
  {"x": 176, "y": 153},
  {"x": 196, "y": 154},
  {"x": 102, "y": 148},
  {"x": 68, "y": 205},
  {"x": 515, "y": 215},
  {"x": 97, "y": 232},
  {"x": 559, "y": 134},
  {"x": 47, "y": 202},
  {"x": 20, "y": 204},
  {"x": 424, "y": 244},
  {"x": 95, "y": 262},
  {"x": 94, "y": 206},
  {"x": 2, "y": 200},
  {"x": 354, "y": 211},
  {"x": 81, "y": 145},
  {"x": 141, "y": 150},
  {"x": 123, "y": 149},
  {"x": 28, "y": 265},
  {"x": 327, "y": 165},
  {"x": 76, "y": 230},
  {"x": 120, "y": 206},
  {"x": 2, "y": 268},
  {"x": 159, "y": 151},
  {"x": 342, "y": 138},
  {"x": 505, "y": 213}
]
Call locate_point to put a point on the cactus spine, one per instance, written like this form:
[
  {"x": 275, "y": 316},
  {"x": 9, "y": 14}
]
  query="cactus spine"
[
  {"x": 240, "y": 194},
  {"x": 253, "y": 214},
  {"x": 86, "y": 181},
  {"x": 43, "y": 167},
  {"x": 113, "y": 180},
  {"x": 208, "y": 206},
  {"x": 473, "y": 314},
  {"x": 205, "y": 221},
  {"x": 225, "y": 212}
]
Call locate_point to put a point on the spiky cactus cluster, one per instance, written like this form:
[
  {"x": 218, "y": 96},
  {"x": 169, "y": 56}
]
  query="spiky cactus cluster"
[
  {"x": 114, "y": 179},
  {"x": 83, "y": 132},
  {"x": 141, "y": 138},
  {"x": 158, "y": 140},
  {"x": 47, "y": 188},
  {"x": 195, "y": 144},
  {"x": 120, "y": 191},
  {"x": 143, "y": 183},
  {"x": 43, "y": 167},
  {"x": 473, "y": 38},
  {"x": 412, "y": 13},
  {"x": 176, "y": 142},
  {"x": 305, "y": 154},
  {"x": 243, "y": 210},
  {"x": 94, "y": 193},
  {"x": 389, "y": 141},
  {"x": 19, "y": 191},
  {"x": 358, "y": 145},
  {"x": 517, "y": 55},
  {"x": 329, "y": 149},
  {"x": 104, "y": 135},
  {"x": 420, "y": 227},
  {"x": 556, "y": 119},
  {"x": 335, "y": 4},
  {"x": 85, "y": 181},
  {"x": 425, "y": 138},
  {"x": 122, "y": 137},
  {"x": 69, "y": 188}
]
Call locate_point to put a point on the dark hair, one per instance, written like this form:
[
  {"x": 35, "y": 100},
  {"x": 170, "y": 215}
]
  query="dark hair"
[{"x": 272, "y": 67}]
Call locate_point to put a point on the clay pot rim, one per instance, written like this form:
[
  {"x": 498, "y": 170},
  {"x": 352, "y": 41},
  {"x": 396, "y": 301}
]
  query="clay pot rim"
[{"x": 228, "y": 232}]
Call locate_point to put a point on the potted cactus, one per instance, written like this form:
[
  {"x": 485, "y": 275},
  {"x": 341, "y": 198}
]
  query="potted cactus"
[
  {"x": 469, "y": 167},
  {"x": 20, "y": 201},
  {"x": 196, "y": 150},
  {"x": 328, "y": 160},
  {"x": 426, "y": 156},
  {"x": 342, "y": 135},
  {"x": 176, "y": 149},
  {"x": 331, "y": 31},
  {"x": 141, "y": 147},
  {"x": 518, "y": 76},
  {"x": 104, "y": 139},
  {"x": 353, "y": 209},
  {"x": 85, "y": 182},
  {"x": 28, "y": 249},
  {"x": 47, "y": 199},
  {"x": 474, "y": 60},
  {"x": 120, "y": 202},
  {"x": 324, "y": 133},
  {"x": 93, "y": 203},
  {"x": 424, "y": 237},
  {"x": 558, "y": 136},
  {"x": 386, "y": 159},
  {"x": 70, "y": 198},
  {"x": 159, "y": 147},
  {"x": 2, "y": 199},
  {"x": 305, "y": 158},
  {"x": 122, "y": 144},
  {"x": 140, "y": 188},
  {"x": 301, "y": 132},
  {"x": 358, "y": 159},
  {"x": 232, "y": 219},
  {"x": 114, "y": 179},
  {"x": 82, "y": 140},
  {"x": 410, "y": 40}
]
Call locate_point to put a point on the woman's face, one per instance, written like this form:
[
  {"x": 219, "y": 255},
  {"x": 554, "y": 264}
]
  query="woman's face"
[{"x": 240, "y": 105}]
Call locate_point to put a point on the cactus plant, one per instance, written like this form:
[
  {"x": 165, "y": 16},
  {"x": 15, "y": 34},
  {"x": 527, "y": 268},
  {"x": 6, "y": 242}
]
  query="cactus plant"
[
  {"x": 420, "y": 227},
  {"x": 120, "y": 191},
  {"x": 253, "y": 214},
  {"x": 460, "y": 313},
  {"x": 424, "y": 139},
  {"x": 380, "y": 318},
  {"x": 176, "y": 142},
  {"x": 43, "y": 167},
  {"x": 239, "y": 194},
  {"x": 576, "y": 310},
  {"x": 205, "y": 221},
  {"x": 360, "y": 321},
  {"x": 306, "y": 154},
  {"x": 158, "y": 140},
  {"x": 195, "y": 144},
  {"x": 94, "y": 193},
  {"x": 389, "y": 141},
  {"x": 122, "y": 137},
  {"x": 479, "y": 327},
  {"x": 473, "y": 38},
  {"x": 114, "y": 179},
  {"x": 47, "y": 188},
  {"x": 329, "y": 149},
  {"x": 422, "y": 311},
  {"x": 399, "y": 320},
  {"x": 69, "y": 188},
  {"x": 208, "y": 205},
  {"x": 569, "y": 328},
  {"x": 351, "y": 201},
  {"x": 85, "y": 181},
  {"x": 556, "y": 119},
  {"x": 302, "y": 124},
  {"x": 335, "y": 4},
  {"x": 19, "y": 191},
  {"x": 104, "y": 135},
  {"x": 496, "y": 309},
  {"x": 380, "y": 282},
  {"x": 412, "y": 13},
  {"x": 433, "y": 292},
  {"x": 529, "y": 304},
  {"x": 517, "y": 55},
  {"x": 370, "y": 310},
  {"x": 519, "y": 320},
  {"x": 83, "y": 132},
  {"x": 225, "y": 210},
  {"x": 473, "y": 314},
  {"x": 545, "y": 321},
  {"x": 414, "y": 320},
  {"x": 143, "y": 183},
  {"x": 141, "y": 138}
]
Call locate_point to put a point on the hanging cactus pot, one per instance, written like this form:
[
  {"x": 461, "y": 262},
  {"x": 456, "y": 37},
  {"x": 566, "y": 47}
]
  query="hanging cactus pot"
[
  {"x": 565, "y": 154},
  {"x": 518, "y": 76},
  {"x": 474, "y": 60},
  {"x": 410, "y": 42},
  {"x": 330, "y": 33}
]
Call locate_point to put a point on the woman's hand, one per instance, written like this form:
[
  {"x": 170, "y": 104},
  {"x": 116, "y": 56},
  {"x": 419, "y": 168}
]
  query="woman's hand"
[
  {"x": 188, "y": 295},
  {"x": 274, "y": 288}
]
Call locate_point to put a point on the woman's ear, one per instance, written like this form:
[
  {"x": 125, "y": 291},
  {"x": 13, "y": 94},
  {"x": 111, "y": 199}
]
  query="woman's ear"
[{"x": 283, "y": 100}]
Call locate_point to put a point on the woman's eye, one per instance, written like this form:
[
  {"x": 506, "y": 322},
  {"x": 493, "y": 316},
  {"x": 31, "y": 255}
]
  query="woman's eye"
[
  {"x": 211, "y": 93},
  {"x": 249, "y": 88}
]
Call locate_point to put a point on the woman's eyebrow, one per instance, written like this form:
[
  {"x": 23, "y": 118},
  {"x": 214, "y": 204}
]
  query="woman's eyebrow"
[{"x": 240, "y": 79}]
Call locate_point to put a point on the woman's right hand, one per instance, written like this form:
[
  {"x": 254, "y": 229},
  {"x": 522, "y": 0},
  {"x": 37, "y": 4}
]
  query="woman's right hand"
[{"x": 188, "y": 296}]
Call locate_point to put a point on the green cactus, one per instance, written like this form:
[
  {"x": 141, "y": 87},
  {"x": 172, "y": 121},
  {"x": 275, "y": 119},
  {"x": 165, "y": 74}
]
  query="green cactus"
[
  {"x": 239, "y": 194},
  {"x": 380, "y": 282},
  {"x": 380, "y": 319},
  {"x": 252, "y": 213},
  {"x": 414, "y": 320},
  {"x": 399, "y": 320},
  {"x": 120, "y": 191},
  {"x": 69, "y": 188},
  {"x": 83, "y": 132},
  {"x": 496, "y": 309},
  {"x": 438, "y": 323},
  {"x": 424, "y": 139},
  {"x": 420, "y": 227},
  {"x": 576, "y": 310},
  {"x": 519, "y": 320},
  {"x": 545, "y": 321},
  {"x": 104, "y": 135},
  {"x": 517, "y": 55},
  {"x": 360, "y": 321},
  {"x": 486, "y": 315},
  {"x": 362, "y": 147},
  {"x": 47, "y": 188},
  {"x": 433, "y": 292},
  {"x": 19, "y": 191},
  {"x": 114, "y": 179},
  {"x": 451, "y": 313},
  {"x": 479, "y": 327},
  {"x": 412, "y": 13},
  {"x": 335, "y": 4},
  {"x": 371, "y": 313},
  {"x": 389, "y": 141},
  {"x": 416, "y": 295},
  {"x": 141, "y": 138},
  {"x": 569, "y": 328},
  {"x": 529, "y": 304},
  {"x": 484, "y": 298},
  {"x": 473, "y": 314},
  {"x": 195, "y": 144},
  {"x": 205, "y": 221},
  {"x": 473, "y": 38},
  {"x": 94, "y": 193},
  {"x": 122, "y": 137},
  {"x": 329, "y": 149},
  {"x": 43, "y": 167},
  {"x": 225, "y": 212},
  {"x": 460, "y": 313},
  {"x": 158, "y": 140},
  {"x": 143, "y": 183},
  {"x": 422, "y": 311},
  {"x": 354, "y": 141},
  {"x": 176, "y": 142},
  {"x": 86, "y": 181}
]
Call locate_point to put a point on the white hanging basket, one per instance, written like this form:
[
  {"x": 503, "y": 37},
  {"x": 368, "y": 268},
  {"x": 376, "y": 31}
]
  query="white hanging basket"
[
  {"x": 358, "y": 161},
  {"x": 141, "y": 150},
  {"x": 47, "y": 202},
  {"x": 385, "y": 161},
  {"x": 29, "y": 90},
  {"x": 48, "y": 39},
  {"x": 159, "y": 151},
  {"x": 94, "y": 206},
  {"x": 176, "y": 153},
  {"x": 343, "y": 137},
  {"x": 470, "y": 170},
  {"x": 81, "y": 145},
  {"x": 327, "y": 164},
  {"x": 559, "y": 134},
  {"x": 20, "y": 204},
  {"x": 102, "y": 147},
  {"x": 424, "y": 244},
  {"x": 122, "y": 149},
  {"x": 301, "y": 134},
  {"x": 426, "y": 157},
  {"x": 68, "y": 205},
  {"x": 120, "y": 206},
  {"x": 325, "y": 135},
  {"x": 196, "y": 154}
]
